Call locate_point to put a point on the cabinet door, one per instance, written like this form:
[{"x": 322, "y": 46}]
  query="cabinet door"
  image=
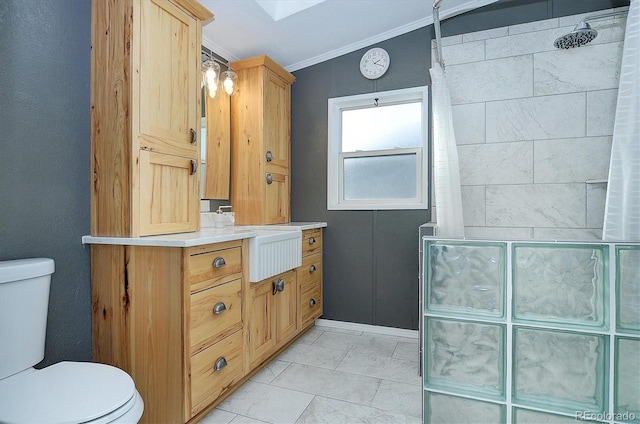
[
  {"x": 276, "y": 202},
  {"x": 168, "y": 85},
  {"x": 261, "y": 321},
  {"x": 276, "y": 123},
  {"x": 168, "y": 194},
  {"x": 286, "y": 308}
]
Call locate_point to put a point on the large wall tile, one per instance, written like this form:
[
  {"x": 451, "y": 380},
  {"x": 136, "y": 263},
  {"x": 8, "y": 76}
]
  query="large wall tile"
[
  {"x": 539, "y": 205},
  {"x": 537, "y": 118},
  {"x": 565, "y": 234},
  {"x": 463, "y": 53},
  {"x": 469, "y": 123},
  {"x": 527, "y": 43},
  {"x": 473, "y": 205},
  {"x": 596, "y": 198},
  {"x": 571, "y": 160},
  {"x": 533, "y": 26},
  {"x": 498, "y": 233},
  {"x": 601, "y": 108},
  {"x": 591, "y": 67},
  {"x": 485, "y": 35},
  {"x": 496, "y": 163},
  {"x": 498, "y": 79}
]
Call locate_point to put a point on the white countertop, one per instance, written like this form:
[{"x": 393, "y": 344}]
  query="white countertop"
[{"x": 206, "y": 235}]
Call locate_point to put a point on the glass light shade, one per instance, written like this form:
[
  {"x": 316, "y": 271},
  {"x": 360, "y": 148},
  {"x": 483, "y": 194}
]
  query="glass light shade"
[
  {"x": 229, "y": 81},
  {"x": 210, "y": 76}
]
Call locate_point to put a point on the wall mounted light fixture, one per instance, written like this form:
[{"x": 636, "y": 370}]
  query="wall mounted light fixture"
[{"x": 211, "y": 76}]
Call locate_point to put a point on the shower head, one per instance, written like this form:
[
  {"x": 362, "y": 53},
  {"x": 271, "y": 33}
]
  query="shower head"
[{"x": 581, "y": 35}]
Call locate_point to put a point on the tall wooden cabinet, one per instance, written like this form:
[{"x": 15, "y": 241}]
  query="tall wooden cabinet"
[
  {"x": 145, "y": 120},
  {"x": 260, "y": 142}
]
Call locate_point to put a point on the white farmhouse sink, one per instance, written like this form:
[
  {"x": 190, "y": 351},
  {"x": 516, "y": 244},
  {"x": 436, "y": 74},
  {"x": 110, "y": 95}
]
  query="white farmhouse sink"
[{"x": 272, "y": 252}]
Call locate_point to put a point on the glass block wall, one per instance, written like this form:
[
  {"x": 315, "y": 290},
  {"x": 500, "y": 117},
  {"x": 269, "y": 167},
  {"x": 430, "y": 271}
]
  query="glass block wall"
[{"x": 530, "y": 332}]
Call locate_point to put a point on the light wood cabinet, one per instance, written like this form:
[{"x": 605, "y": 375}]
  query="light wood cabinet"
[
  {"x": 309, "y": 276},
  {"x": 272, "y": 316},
  {"x": 145, "y": 120},
  {"x": 260, "y": 142},
  {"x": 173, "y": 318}
]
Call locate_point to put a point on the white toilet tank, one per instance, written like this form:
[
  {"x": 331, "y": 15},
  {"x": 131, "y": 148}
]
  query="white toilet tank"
[{"x": 24, "y": 301}]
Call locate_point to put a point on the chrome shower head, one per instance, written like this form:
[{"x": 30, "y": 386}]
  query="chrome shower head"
[{"x": 581, "y": 35}]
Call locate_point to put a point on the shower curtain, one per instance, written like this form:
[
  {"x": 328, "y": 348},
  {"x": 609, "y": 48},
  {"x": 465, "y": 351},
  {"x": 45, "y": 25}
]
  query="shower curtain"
[
  {"x": 446, "y": 168},
  {"x": 622, "y": 208}
]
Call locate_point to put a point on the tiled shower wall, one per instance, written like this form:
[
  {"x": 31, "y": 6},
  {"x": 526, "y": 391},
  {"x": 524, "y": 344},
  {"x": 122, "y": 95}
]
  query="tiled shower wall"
[{"x": 533, "y": 125}]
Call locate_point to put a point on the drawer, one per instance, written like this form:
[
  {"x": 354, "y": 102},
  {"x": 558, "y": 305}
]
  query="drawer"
[
  {"x": 215, "y": 265},
  {"x": 311, "y": 242},
  {"x": 310, "y": 272},
  {"x": 214, "y": 370},
  {"x": 215, "y": 312},
  {"x": 311, "y": 304}
]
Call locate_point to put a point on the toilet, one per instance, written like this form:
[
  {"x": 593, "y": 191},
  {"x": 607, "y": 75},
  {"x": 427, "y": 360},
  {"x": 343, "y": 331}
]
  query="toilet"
[{"x": 66, "y": 392}]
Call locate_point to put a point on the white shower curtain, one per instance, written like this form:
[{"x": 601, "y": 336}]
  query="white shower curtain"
[
  {"x": 622, "y": 208},
  {"x": 448, "y": 194}
]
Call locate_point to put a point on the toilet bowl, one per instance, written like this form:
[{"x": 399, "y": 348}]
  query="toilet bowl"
[{"x": 66, "y": 392}]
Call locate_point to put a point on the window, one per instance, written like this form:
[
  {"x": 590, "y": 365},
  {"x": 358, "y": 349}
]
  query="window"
[{"x": 377, "y": 155}]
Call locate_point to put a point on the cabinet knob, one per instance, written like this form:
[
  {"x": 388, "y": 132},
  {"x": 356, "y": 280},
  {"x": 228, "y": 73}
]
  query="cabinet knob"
[
  {"x": 219, "y": 262},
  {"x": 312, "y": 302},
  {"x": 278, "y": 286},
  {"x": 194, "y": 135},
  {"x": 220, "y": 364},
  {"x": 312, "y": 240},
  {"x": 269, "y": 178},
  {"x": 312, "y": 268},
  {"x": 269, "y": 156},
  {"x": 194, "y": 166},
  {"x": 219, "y": 308}
]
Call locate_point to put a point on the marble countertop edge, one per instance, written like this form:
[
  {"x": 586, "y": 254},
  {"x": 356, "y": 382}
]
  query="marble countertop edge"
[{"x": 206, "y": 235}]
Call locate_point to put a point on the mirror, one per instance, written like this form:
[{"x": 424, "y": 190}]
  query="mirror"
[{"x": 216, "y": 147}]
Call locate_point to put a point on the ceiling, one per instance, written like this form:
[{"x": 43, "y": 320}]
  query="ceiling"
[{"x": 301, "y": 33}]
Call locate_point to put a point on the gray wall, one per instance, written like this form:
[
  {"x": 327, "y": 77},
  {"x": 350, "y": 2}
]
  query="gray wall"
[
  {"x": 44, "y": 156},
  {"x": 371, "y": 263},
  {"x": 371, "y": 257}
]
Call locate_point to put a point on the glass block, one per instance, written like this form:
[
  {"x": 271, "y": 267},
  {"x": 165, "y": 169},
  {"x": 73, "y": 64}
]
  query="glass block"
[
  {"x": 559, "y": 370},
  {"x": 560, "y": 283},
  {"x": 465, "y": 357},
  {"x": 628, "y": 288},
  {"x": 467, "y": 278},
  {"x": 627, "y": 380},
  {"x": 445, "y": 409},
  {"x": 525, "y": 416}
]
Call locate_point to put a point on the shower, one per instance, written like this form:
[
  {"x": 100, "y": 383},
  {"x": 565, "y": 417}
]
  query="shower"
[{"x": 582, "y": 33}]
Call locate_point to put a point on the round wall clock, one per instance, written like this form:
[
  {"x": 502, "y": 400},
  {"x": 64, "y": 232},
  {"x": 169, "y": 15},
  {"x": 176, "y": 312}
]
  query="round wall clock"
[{"x": 374, "y": 63}]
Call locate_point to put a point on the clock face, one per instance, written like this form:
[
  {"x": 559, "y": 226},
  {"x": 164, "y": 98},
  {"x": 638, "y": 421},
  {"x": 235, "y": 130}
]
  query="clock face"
[{"x": 374, "y": 63}]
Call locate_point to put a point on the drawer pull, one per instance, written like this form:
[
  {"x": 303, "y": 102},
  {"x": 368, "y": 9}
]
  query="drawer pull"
[
  {"x": 312, "y": 240},
  {"x": 269, "y": 178},
  {"x": 278, "y": 286},
  {"x": 219, "y": 308},
  {"x": 220, "y": 364},
  {"x": 194, "y": 136},
  {"x": 312, "y": 268},
  {"x": 269, "y": 156},
  {"x": 194, "y": 167},
  {"x": 312, "y": 302},
  {"x": 219, "y": 262}
]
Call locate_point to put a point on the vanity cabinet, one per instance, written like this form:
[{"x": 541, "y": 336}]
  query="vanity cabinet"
[
  {"x": 309, "y": 276},
  {"x": 272, "y": 316},
  {"x": 145, "y": 116},
  {"x": 260, "y": 142},
  {"x": 173, "y": 318}
]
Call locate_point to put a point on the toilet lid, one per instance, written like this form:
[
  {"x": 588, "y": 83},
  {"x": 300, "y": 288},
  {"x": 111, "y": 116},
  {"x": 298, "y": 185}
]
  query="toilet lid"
[{"x": 67, "y": 392}]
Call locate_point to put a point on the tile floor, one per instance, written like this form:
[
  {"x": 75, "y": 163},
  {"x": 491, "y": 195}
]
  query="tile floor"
[{"x": 335, "y": 376}]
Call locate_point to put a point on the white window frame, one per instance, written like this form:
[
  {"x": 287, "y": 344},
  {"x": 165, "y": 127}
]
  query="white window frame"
[{"x": 335, "y": 157}]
